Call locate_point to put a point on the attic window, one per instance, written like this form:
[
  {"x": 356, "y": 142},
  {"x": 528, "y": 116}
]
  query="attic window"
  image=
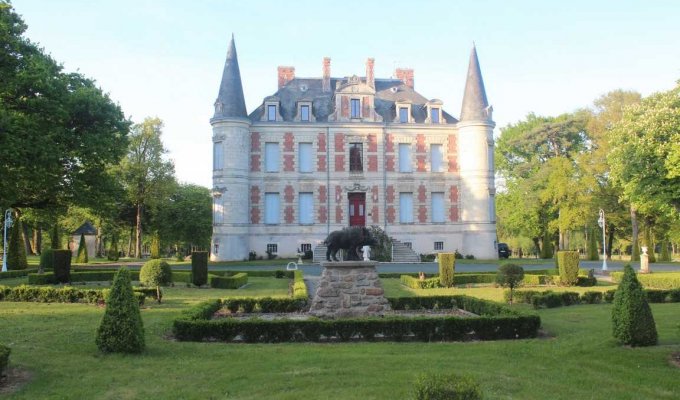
[
  {"x": 304, "y": 113},
  {"x": 403, "y": 115},
  {"x": 356, "y": 108},
  {"x": 271, "y": 112},
  {"x": 434, "y": 115}
]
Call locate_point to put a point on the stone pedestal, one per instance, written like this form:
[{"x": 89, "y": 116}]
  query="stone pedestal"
[
  {"x": 644, "y": 263},
  {"x": 349, "y": 289}
]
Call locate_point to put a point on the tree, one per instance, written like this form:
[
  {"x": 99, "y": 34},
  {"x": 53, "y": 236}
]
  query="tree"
[
  {"x": 632, "y": 319},
  {"x": 121, "y": 329},
  {"x": 82, "y": 251},
  {"x": 156, "y": 273},
  {"x": 147, "y": 176},
  {"x": 155, "y": 246},
  {"x": 510, "y": 276},
  {"x": 60, "y": 131},
  {"x": 185, "y": 217},
  {"x": 16, "y": 257}
]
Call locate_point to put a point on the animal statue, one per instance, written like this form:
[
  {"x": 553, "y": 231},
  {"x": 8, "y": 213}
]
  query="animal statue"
[{"x": 351, "y": 240}]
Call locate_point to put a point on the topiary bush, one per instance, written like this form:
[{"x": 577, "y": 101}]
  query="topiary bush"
[
  {"x": 156, "y": 273},
  {"x": 632, "y": 319},
  {"x": 593, "y": 254},
  {"x": 434, "y": 386},
  {"x": 447, "y": 267},
  {"x": 46, "y": 261},
  {"x": 567, "y": 262},
  {"x": 155, "y": 250},
  {"x": 62, "y": 265},
  {"x": 510, "y": 276},
  {"x": 199, "y": 268},
  {"x": 121, "y": 329},
  {"x": 81, "y": 258},
  {"x": 55, "y": 239},
  {"x": 16, "y": 252}
]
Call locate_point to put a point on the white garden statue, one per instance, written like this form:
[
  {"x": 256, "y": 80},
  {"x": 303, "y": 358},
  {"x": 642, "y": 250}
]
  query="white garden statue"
[{"x": 367, "y": 252}]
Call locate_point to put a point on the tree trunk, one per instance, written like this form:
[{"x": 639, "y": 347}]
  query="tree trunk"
[
  {"x": 537, "y": 243},
  {"x": 27, "y": 236},
  {"x": 37, "y": 239},
  {"x": 129, "y": 248},
  {"x": 634, "y": 239},
  {"x": 610, "y": 242},
  {"x": 98, "y": 240},
  {"x": 138, "y": 235}
]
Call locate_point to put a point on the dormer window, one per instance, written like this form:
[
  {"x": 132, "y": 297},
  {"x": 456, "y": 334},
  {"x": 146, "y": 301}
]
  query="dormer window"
[
  {"x": 403, "y": 109},
  {"x": 403, "y": 115},
  {"x": 304, "y": 113},
  {"x": 271, "y": 112},
  {"x": 355, "y": 108},
  {"x": 434, "y": 115},
  {"x": 434, "y": 112}
]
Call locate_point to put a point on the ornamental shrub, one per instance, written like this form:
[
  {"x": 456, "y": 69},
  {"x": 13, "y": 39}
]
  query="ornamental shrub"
[
  {"x": 547, "y": 248},
  {"x": 62, "y": 266},
  {"x": 46, "y": 260},
  {"x": 16, "y": 252},
  {"x": 155, "y": 249},
  {"x": 632, "y": 319},
  {"x": 199, "y": 268},
  {"x": 82, "y": 251},
  {"x": 510, "y": 276},
  {"x": 435, "y": 386},
  {"x": 121, "y": 329},
  {"x": 447, "y": 267},
  {"x": 156, "y": 273},
  {"x": 568, "y": 266},
  {"x": 55, "y": 240},
  {"x": 4, "y": 359}
]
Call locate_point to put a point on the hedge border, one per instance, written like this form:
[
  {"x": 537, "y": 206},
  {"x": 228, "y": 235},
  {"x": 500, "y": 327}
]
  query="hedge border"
[
  {"x": 17, "y": 273},
  {"x": 495, "y": 322},
  {"x": 655, "y": 280},
  {"x": 67, "y": 294},
  {"x": 550, "y": 299},
  {"x": 228, "y": 282}
]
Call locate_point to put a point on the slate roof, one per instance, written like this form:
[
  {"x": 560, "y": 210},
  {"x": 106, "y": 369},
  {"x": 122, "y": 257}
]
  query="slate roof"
[
  {"x": 388, "y": 91},
  {"x": 230, "y": 101},
  {"x": 475, "y": 104},
  {"x": 85, "y": 229}
]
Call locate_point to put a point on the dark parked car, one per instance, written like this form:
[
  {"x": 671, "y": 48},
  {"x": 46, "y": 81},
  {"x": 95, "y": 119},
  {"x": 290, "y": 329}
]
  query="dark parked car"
[{"x": 503, "y": 250}]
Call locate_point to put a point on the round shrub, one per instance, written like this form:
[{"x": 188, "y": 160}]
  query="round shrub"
[
  {"x": 510, "y": 275},
  {"x": 155, "y": 273},
  {"x": 446, "y": 387},
  {"x": 632, "y": 319},
  {"x": 121, "y": 329}
]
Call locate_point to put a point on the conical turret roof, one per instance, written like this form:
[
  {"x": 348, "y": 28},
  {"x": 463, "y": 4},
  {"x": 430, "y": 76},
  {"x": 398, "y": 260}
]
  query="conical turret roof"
[
  {"x": 230, "y": 101},
  {"x": 475, "y": 105}
]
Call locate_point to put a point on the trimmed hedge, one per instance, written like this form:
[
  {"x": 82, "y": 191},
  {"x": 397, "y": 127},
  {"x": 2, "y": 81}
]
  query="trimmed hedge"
[
  {"x": 567, "y": 262},
  {"x": 656, "y": 280},
  {"x": 434, "y": 386},
  {"x": 299, "y": 287},
  {"x": 16, "y": 273},
  {"x": 62, "y": 266},
  {"x": 278, "y": 273},
  {"x": 4, "y": 359},
  {"x": 549, "y": 299},
  {"x": 228, "y": 282},
  {"x": 447, "y": 268},
  {"x": 46, "y": 260},
  {"x": 199, "y": 268},
  {"x": 416, "y": 283},
  {"x": 67, "y": 294},
  {"x": 265, "y": 305}
]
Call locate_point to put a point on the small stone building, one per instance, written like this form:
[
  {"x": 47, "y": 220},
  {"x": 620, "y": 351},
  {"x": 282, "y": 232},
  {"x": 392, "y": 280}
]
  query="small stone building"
[{"x": 90, "y": 233}]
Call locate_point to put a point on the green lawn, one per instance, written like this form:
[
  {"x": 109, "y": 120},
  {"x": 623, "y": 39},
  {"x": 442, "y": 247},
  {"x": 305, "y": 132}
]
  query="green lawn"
[{"x": 579, "y": 360}]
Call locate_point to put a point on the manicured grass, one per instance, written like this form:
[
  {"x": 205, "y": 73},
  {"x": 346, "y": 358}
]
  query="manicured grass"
[{"x": 579, "y": 359}]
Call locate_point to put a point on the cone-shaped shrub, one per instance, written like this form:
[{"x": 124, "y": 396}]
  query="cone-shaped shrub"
[
  {"x": 199, "y": 268},
  {"x": 82, "y": 251},
  {"x": 510, "y": 275},
  {"x": 156, "y": 273},
  {"x": 447, "y": 267},
  {"x": 567, "y": 262},
  {"x": 54, "y": 237},
  {"x": 632, "y": 319},
  {"x": 121, "y": 329},
  {"x": 155, "y": 247},
  {"x": 16, "y": 257}
]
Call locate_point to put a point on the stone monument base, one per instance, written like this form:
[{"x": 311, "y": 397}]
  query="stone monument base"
[{"x": 349, "y": 289}]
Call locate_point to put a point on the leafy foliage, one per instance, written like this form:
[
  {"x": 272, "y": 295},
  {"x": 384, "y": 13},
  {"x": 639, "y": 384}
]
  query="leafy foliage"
[
  {"x": 81, "y": 258},
  {"x": 437, "y": 386},
  {"x": 510, "y": 275},
  {"x": 447, "y": 267},
  {"x": 155, "y": 246},
  {"x": 155, "y": 273},
  {"x": 383, "y": 250},
  {"x": 568, "y": 262},
  {"x": 632, "y": 319},
  {"x": 16, "y": 257},
  {"x": 121, "y": 329},
  {"x": 46, "y": 260}
]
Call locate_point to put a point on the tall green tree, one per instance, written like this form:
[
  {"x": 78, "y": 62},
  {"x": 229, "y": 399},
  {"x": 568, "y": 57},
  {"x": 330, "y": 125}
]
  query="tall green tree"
[
  {"x": 147, "y": 176},
  {"x": 60, "y": 131},
  {"x": 185, "y": 217}
]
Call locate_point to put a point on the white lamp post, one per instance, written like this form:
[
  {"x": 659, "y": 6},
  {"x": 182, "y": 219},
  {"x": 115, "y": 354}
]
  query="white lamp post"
[
  {"x": 8, "y": 223},
  {"x": 603, "y": 225}
]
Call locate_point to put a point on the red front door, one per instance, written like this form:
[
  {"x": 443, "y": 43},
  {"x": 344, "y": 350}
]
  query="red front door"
[{"x": 357, "y": 209}]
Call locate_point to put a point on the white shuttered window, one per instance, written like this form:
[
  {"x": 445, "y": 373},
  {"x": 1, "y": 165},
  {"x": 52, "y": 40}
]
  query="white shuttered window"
[
  {"x": 436, "y": 158},
  {"x": 305, "y": 152},
  {"x": 218, "y": 156},
  {"x": 306, "y": 202},
  {"x": 406, "y": 208},
  {"x": 271, "y": 208},
  {"x": 271, "y": 157},
  {"x": 405, "y": 157},
  {"x": 437, "y": 207}
]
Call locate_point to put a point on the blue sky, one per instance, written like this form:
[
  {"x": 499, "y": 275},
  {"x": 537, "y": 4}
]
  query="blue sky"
[{"x": 165, "y": 58}]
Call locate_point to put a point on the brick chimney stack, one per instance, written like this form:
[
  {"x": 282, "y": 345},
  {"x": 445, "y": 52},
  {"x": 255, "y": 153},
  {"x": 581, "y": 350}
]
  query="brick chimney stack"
[
  {"x": 286, "y": 74},
  {"x": 405, "y": 75},
  {"x": 370, "y": 77},
  {"x": 326, "y": 83}
]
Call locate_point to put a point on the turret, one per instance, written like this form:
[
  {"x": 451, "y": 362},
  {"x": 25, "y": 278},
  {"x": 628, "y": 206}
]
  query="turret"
[
  {"x": 231, "y": 149},
  {"x": 475, "y": 144}
]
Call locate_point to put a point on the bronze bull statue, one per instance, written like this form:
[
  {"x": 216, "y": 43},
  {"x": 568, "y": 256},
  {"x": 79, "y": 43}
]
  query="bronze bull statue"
[{"x": 351, "y": 240}]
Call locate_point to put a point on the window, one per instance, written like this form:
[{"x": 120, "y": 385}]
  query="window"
[
  {"x": 271, "y": 157},
  {"x": 271, "y": 113},
  {"x": 304, "y": 113},
  {"x": 305, "y": 247},
  {"x": 437, "y": 207},
  {"x": 305, "y": 156},
  {"x": 436, "y": 158},
  {"x": 306, "y": 208},
  {"x": 405, "y": 157},
  {"x": 217, "y": 210},
  {"x": 356, "y": 157},
  {"x": 272, "y": 248},
  {"x": 434, "y": 115},
  {"x": 218, "y": 156},
  {"x": 356, "y": 108},
  {"x": 403, "y": 115},
  {"x": 406, "y": 208},
  {"x": 439, "y": 246},
  {"x": 216, "y": 248},
  {"x": 271, "y": 208}
]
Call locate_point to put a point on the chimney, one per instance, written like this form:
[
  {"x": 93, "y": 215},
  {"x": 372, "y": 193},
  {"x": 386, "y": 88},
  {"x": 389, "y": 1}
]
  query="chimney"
[
  {"x": 286, "y": 74},
  {"x": 405, "y": 75},
  {"x": 370, "y": 77},
  {"x": 326, "y": 83}
]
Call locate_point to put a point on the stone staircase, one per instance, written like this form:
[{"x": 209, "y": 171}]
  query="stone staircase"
[
  {"x": 403, "y": 253},
  {"x": 400, "y": 253}
]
